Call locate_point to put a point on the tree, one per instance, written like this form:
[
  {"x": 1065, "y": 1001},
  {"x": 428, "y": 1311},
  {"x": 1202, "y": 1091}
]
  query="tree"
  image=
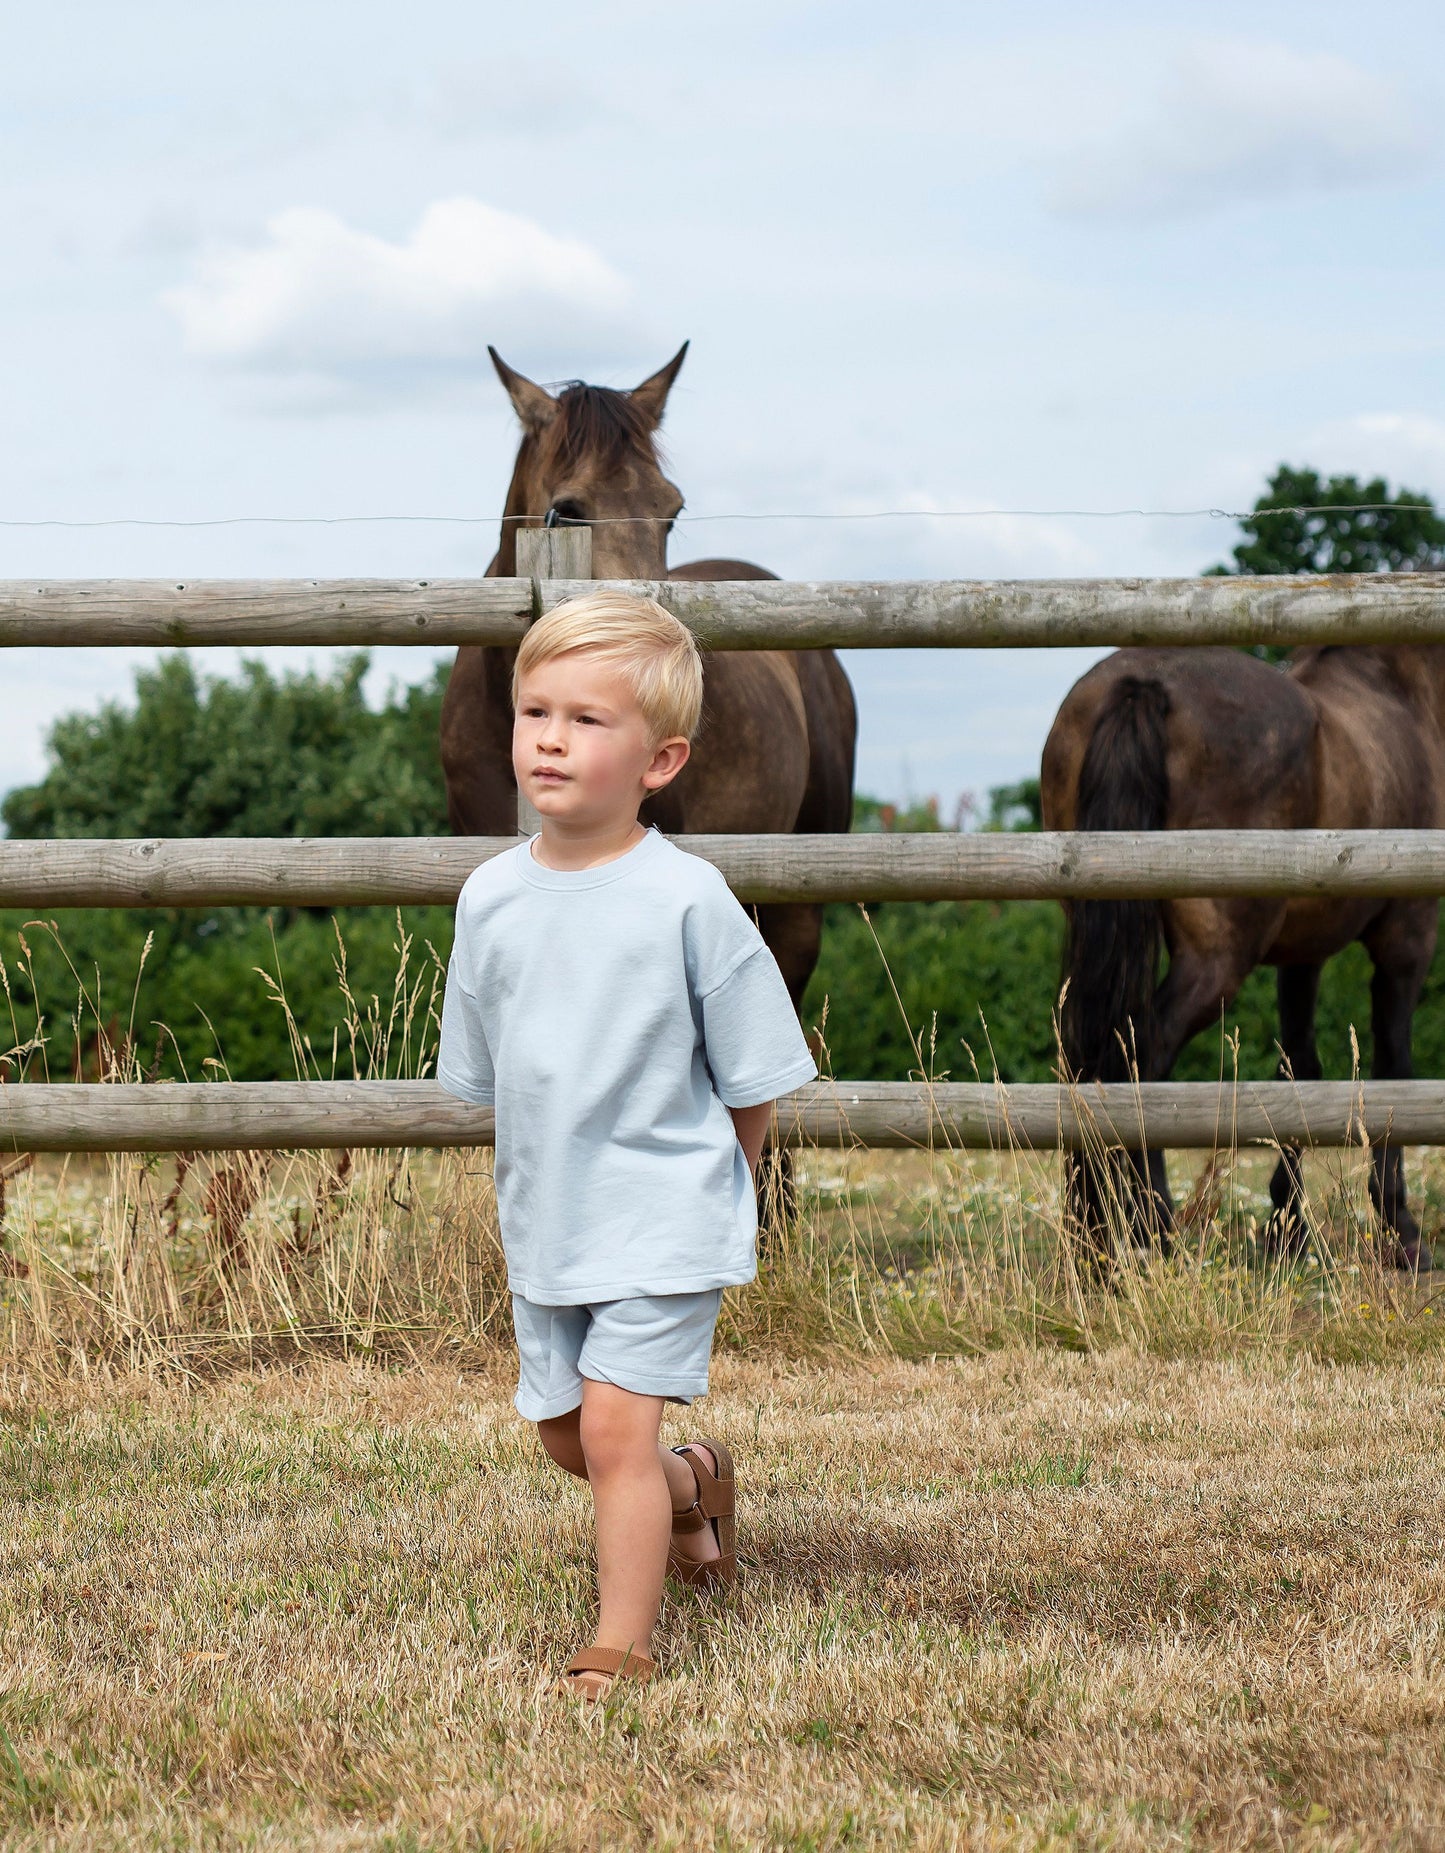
[
  {"x": 296, "y": 755},
  {"x": 1015, "y": 807},
  {"x": 870, "y": 814},
  {"x": 1335, "y": 534}
]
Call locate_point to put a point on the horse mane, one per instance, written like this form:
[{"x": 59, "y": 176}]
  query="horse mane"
[
  {"x": 593, "y": 424},
  {"x": 597, "y": 423}
]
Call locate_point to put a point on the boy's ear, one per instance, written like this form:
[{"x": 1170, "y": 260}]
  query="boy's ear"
[{"x": 667, "y": 762}]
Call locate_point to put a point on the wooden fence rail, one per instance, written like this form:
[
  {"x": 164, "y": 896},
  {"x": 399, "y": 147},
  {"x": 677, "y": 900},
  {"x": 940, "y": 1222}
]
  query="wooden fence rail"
[
  {"x": 743, "y": 615},
  {"x": 351, "y": 871},
  {"x": 319, "y": 1115},
  {"x": 740, "y": 614}
]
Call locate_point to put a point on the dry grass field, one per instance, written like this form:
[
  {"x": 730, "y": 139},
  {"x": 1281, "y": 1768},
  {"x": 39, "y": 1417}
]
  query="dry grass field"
[
  {"x": 1031, "y": 1562},
  {"x": 1034, "y": 1599},
  {"x": 152, "y": 1264}
]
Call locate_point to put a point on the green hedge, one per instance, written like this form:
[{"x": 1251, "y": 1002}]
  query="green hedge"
[
  {"x": 202, "y": 980},
  {"x": 991, "y": 971}
]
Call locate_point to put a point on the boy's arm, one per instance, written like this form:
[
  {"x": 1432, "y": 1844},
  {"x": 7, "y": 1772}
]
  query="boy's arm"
[
  {"x": 751, "y": 1124},
  {"x": 464, "y": 1062}
]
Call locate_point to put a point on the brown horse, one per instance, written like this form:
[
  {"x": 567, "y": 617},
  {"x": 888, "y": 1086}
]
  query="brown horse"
[
  {"x": 1345, "y": 738},
  {"x": 774, "y": 752}
]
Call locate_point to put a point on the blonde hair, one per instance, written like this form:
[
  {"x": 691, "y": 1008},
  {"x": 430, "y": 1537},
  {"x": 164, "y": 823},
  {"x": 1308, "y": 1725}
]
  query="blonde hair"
[{"x": 654, "y": 654}]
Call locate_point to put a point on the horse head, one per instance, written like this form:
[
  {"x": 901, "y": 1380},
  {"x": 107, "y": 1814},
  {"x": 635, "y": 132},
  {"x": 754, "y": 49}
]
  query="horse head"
[{"x": 589, "y": 458}]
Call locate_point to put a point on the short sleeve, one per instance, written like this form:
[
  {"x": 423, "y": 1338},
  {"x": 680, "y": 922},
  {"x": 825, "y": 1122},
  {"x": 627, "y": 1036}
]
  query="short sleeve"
[
  {"x": 755, "y": 1047},
  {"x": 464, "y": 1062}
]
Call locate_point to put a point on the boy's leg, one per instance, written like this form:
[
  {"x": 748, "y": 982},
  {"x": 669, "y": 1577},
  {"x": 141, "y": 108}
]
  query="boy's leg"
[
  {"x": 635, "y": 1497},
  {"x": 561, "y": 1436},
  {"x": 700, "y": 1546}
]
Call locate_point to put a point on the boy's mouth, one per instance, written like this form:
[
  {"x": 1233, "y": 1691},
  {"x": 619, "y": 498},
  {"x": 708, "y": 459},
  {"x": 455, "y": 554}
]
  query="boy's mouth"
[{"x": 549, "y": 774}]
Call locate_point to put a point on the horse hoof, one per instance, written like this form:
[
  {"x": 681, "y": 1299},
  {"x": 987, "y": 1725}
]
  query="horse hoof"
[{"x": 1412, "y": 1258}]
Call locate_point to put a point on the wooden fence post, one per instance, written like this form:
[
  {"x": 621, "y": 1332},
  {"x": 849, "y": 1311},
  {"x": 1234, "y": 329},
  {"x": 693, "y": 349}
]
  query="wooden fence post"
[{"x": 548, "y": 553}]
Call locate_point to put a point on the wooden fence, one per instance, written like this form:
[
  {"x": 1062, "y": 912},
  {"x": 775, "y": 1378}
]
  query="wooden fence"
[
  {"x": 745, "y": 615},
  {"x": 316, "y": 1115},
  {"x": 403, "y": 870}
]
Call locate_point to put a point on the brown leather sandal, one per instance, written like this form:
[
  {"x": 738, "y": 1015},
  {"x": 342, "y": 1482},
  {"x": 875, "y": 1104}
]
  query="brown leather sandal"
[
  {"x": 592, "y": 1672},
  {"x": 715, "y": 1505}
]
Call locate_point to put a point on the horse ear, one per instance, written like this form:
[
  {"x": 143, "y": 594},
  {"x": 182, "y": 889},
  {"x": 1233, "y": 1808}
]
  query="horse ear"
[
  {"x": 533, "y": 404},
  {"x": 651, "y": 395}
]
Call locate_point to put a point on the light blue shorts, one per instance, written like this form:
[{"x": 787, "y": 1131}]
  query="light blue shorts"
[{"x": 657, "y": 1346}]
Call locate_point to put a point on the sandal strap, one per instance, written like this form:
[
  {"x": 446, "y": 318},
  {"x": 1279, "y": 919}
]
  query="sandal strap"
[
  {"x": 691, "y": 1518},
  {"x": 620, "y": 1662},
  {"x": 714, "y": 1498}
]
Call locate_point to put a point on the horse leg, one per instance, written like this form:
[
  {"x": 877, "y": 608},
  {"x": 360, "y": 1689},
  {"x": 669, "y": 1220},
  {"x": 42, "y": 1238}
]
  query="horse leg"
[
  {"x": 1298, "y": 988},
  {"x": 1158, "y": 1199},
  {"x": 1210, "y": 957},
  {"x": 1136, "y": 1185},
  {"x": 794, "y": 934},
  {"x": 1204, "y": 976},
  {"x": 1401, "y": 943}
]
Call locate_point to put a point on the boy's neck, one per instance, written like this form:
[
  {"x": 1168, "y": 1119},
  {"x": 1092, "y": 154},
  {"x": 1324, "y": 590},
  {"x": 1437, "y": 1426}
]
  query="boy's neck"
[{"x": 568, "y": 850}]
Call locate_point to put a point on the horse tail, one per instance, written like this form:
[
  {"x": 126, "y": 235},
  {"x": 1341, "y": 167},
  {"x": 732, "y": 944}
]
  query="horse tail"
[{"x": 1111, "y": 953}]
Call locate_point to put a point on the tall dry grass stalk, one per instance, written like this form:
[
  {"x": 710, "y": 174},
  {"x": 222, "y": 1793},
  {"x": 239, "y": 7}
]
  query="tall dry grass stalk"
[
  {"x": 188, "y": 1262},
  {"x": 195, "y": 1262}
]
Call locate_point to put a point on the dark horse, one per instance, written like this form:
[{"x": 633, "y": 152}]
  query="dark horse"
[
  {"x": 1345, "y": 738},
  {"x": 775, "y": 749}
]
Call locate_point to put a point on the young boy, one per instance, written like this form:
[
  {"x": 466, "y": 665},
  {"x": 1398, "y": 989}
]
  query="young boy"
[{"x": 614, "y": 1001}]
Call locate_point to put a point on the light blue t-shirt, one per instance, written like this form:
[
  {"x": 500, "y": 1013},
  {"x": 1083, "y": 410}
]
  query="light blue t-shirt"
[{"x": 613, "y": 1015}]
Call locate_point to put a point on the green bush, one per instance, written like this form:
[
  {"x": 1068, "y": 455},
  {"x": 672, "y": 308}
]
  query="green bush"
[
  {"x": 991, "y": 972},
  {"x": 192, "y": 755},
  {"x": 199, "y": 996},
  {"x": 265, "y": 755}
]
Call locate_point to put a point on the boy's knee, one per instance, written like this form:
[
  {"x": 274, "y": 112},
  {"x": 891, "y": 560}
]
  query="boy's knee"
[
  {"x": 612, "y": 1434},
  {"x": 604, "y": 1440}
]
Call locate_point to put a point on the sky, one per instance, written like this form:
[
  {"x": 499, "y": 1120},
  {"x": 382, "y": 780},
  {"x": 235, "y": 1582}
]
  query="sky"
[{"x": 928, "y": 257}]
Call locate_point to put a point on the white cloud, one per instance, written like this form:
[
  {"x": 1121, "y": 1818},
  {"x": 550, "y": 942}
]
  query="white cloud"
[
  {"x": 1241, "y": 121},
  {"x": 338, "y": 308},
  {"x": 1406, "y": 448}
]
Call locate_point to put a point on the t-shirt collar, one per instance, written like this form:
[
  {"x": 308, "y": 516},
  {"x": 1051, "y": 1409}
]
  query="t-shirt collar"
[{"x": 541, "y": 876}]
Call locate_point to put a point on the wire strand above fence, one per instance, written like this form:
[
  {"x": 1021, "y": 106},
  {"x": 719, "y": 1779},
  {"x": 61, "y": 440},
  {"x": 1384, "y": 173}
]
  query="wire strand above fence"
[{"x": 690, "y": 520}]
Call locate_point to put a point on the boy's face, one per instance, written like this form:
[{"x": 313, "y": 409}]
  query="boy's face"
[{"x": 581, "y": 749}]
